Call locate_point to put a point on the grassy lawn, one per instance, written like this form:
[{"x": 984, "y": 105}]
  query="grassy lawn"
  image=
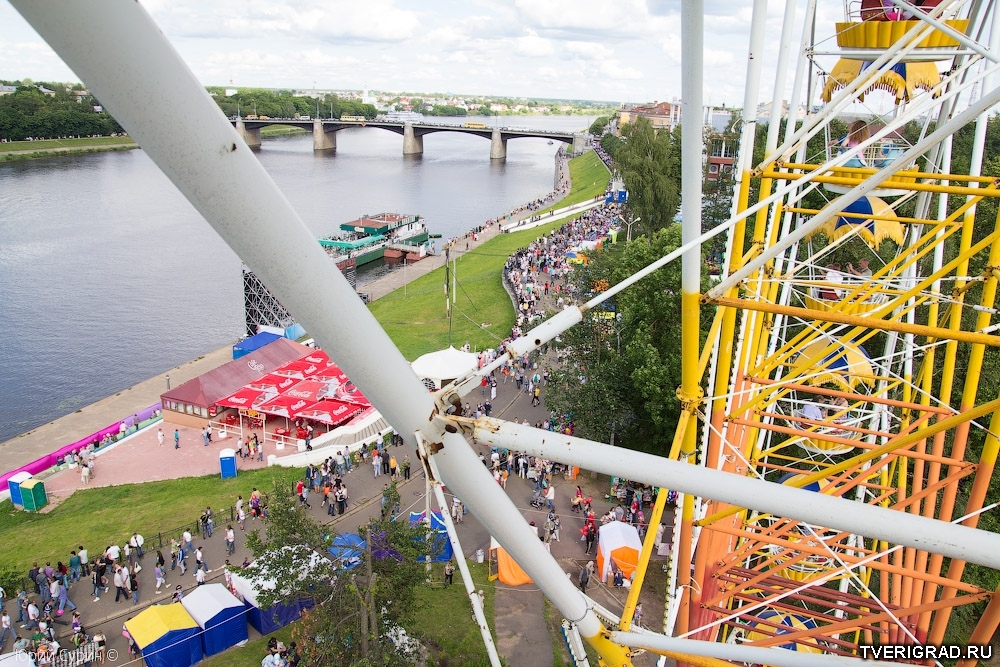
[
  {"x": 444, "y": 623},
  {"x": 280, "y": 130},
  {"x": 417, "y": 321},
  {"x": 251, "y": 653},
  {"x": 49, "y": 144},
  {"x": 589, "y": 177},
  {"x": 93, "y": 517}
]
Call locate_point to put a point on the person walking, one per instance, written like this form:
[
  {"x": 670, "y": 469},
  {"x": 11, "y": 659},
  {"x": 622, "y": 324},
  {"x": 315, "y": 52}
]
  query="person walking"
[
  {"x": 449, "y": 573},
  {"x": 584, "y": 578},
  {"x": 591, "y": 535},
  {"x": 177, "y": 439},
  {"x": 161, "y": 578},
  {"x": 230, "y": 540},
  {"x": 133, "y": 584},
  {"x": 62, "y": 594},
  {"x": 199, "y": 561},
  {"x": 159, "y": 437},
  {"x": 120, "y": 589},
  {"x": 6, "y": 627}
]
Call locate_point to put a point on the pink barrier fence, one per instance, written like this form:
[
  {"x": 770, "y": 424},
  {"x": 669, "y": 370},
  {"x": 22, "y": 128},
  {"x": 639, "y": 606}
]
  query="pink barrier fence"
[{"x": 49, "y": 460}]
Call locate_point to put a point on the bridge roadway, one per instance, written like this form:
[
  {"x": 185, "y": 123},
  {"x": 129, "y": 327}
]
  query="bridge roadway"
[{"x": 325, "y": 133}]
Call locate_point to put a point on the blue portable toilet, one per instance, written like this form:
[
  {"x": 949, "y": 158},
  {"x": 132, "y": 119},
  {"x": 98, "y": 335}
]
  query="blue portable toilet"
[
  {"x": 227, "y": 461},
  {"x": 14, "y": 485}
]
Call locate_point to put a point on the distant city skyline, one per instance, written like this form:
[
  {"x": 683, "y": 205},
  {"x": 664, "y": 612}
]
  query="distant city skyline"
[{"x": 556, "y": 49}]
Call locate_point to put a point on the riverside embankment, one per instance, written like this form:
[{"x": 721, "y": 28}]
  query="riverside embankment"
[{"x": 39, "y": 441}]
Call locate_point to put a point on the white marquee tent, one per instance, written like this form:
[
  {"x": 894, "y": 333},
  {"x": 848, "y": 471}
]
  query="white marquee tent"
[{"x": 443, "y": 366}]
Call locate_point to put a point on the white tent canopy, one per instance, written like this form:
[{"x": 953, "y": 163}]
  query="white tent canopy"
[
  {"x": 205, "y": 602},
  {"x": 445, "y": 365}
]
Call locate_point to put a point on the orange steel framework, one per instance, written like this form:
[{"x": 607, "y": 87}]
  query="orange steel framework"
[{"x": 888, "y": 348}]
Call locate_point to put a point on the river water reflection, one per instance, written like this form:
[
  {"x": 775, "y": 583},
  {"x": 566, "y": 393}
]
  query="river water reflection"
[{"x": 109, "y": 277}]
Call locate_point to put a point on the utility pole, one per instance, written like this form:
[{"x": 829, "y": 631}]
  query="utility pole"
[{"x": 447, "y": 284}]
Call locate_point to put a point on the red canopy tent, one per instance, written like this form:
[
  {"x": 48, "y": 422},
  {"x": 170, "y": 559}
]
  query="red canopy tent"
[
  {"x": 308, "y": 390},
  {"x": 332, "y": 373},
  {"x": 331, "y": 412},
  {"x": 350, "y": 393},
  {"x": 273, "y": 384},
  {"x": 311, "y": 364},
  {"x": 284, "y": 406},
  {"x": 244, "y": 398}
]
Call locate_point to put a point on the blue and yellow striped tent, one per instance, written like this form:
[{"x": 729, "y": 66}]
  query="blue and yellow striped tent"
[{"x": 167, "y": 635}]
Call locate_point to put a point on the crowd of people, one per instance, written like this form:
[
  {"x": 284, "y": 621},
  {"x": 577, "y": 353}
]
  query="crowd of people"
[{"x": 533, "y": 272}]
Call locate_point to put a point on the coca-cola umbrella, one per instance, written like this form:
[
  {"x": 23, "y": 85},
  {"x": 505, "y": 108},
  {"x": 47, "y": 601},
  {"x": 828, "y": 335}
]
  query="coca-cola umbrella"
[
  {"x": 307, "y": 366},
  {"x": 331, "y": 412},
  {"x": 242, "y": 399},
  {"x": 285, "y": 406},
  {"x": 273, "y": 384}
]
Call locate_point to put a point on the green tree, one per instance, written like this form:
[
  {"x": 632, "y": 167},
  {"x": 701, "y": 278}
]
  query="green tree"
[
  {"x": 598, "y": 126},
  {"x": 649, "y": 163},
  {"x": 357, "y": 614},
  {"x": 624, "y": 364}
]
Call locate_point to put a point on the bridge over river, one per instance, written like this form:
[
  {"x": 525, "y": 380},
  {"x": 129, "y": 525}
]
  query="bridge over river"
[{"x": 325, "y": 133}]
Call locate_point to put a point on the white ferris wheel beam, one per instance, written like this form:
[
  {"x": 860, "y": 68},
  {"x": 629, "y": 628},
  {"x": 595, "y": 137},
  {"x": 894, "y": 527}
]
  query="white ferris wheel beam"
[
  {"x": 955, "y": 541},
  {"x": 741, "y": 653}
]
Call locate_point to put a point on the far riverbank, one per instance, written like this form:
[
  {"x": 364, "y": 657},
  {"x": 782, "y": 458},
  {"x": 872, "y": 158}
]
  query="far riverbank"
[{"x": 31, "y": 150}]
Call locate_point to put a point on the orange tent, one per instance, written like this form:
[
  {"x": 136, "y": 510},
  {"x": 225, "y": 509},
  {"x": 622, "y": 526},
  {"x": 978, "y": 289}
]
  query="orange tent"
[
  {"x": 617, "y": 543},
  {"x": 505, "y": 567}
]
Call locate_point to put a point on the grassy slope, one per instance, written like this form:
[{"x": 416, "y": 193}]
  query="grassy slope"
[
  {"x": 250, "y": 654},
  {"x": 444, "y": 622},
  {"x": 96, "y": 516},
  {"x": 417, "y": 321},
  {"x": 49, "y": 144}
]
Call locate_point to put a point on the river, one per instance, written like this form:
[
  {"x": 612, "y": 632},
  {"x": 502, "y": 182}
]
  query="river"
[{"x": 108, "y": 276}]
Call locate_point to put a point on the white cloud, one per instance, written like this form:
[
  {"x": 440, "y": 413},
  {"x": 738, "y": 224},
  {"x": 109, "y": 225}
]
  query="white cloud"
[
  {"x": 623, "y": 51},
  {"x": 533, "y": 46}
]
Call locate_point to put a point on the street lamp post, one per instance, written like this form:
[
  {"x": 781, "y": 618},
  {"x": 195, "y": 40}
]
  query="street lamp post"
[{"x": 238, "y": 100}]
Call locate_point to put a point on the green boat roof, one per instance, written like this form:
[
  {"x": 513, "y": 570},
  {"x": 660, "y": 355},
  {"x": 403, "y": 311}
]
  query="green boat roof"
[
  {"x": 379, "y": 224},
  {"x": 351, "y": 245}
]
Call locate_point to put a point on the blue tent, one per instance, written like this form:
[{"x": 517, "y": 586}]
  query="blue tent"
[
  {"x": 266, "y": 621},
  {"x": 249, "y": 583},
  {"x": 441, "y": 550},
  {"x": 220, "y": 614},
  {"x": 346, "y": 550},
  {"x": 252, "y": 343},
  {"x": 166, "y": 635}
]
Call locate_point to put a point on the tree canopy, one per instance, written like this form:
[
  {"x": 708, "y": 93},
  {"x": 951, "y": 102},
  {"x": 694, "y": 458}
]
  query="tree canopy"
[
  {"x": 358, "y": 614},
  {"x": 624, "y": 365},
  {"x": 649, "y": 163},
  {"x": 61, "y": 112},
  {"x": 283, "y": 104}
]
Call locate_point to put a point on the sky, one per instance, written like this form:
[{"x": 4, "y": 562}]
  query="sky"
[{"x": 623, "y": 51}]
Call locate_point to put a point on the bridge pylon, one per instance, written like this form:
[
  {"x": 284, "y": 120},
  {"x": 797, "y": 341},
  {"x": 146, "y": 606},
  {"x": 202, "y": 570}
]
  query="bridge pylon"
[
  {"x": 413, "y": 143},
  {"x": 498, "y": 146},
  {"x": 250, "y": 136},
  {"x": 324, "y": 139}
]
